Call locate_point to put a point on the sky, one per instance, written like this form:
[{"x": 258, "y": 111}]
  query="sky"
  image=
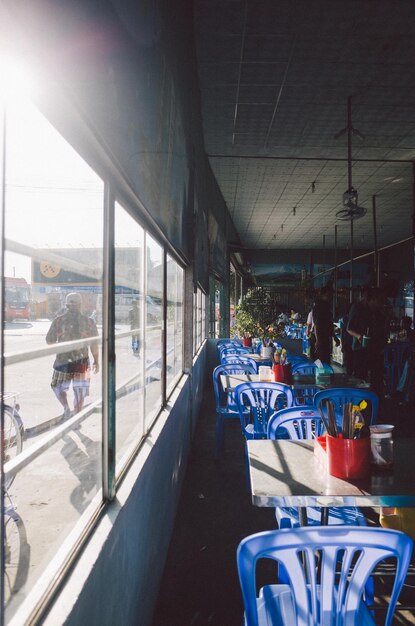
[{"x": 54, "y": 199}]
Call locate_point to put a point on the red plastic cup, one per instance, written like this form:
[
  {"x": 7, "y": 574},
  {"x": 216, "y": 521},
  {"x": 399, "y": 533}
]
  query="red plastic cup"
[
  {"x": 348, "y": 458},
  {"x": 282, "y": 373},
  {"x": 247, "y": 342}
]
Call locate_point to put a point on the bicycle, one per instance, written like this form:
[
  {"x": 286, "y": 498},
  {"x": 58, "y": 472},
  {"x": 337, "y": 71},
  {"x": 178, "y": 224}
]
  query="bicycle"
[
  {"x": 13, "y": 430},
  {"x": 17, "y": 549},
  {"x": 16, "y": 552}
]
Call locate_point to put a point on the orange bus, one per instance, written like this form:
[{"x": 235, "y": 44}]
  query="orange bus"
[{"x": 16, "y": 299}]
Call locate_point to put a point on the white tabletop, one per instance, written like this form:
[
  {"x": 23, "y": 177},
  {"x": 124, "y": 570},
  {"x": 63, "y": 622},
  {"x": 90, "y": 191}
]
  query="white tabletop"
[
  {"x": 286, "y": 473},
  {"x": 230, "y": 381}
]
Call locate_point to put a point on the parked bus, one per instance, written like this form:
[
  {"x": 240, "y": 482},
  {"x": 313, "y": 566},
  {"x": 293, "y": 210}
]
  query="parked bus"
[{"x": 16, "y": 299}]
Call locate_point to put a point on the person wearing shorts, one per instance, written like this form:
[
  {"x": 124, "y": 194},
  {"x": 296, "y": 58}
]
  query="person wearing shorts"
[{"x": 74, "y": 365}]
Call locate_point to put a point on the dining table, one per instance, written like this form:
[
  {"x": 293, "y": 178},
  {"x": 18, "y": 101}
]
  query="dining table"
[
  {"x": 259, "y": 358},
  {"x": 299, "y": 381},
  {"x": 287, "y": 473}
]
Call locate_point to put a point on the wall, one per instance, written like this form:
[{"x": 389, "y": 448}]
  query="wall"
[
  {"x": 129, "y": 68},
  {"x": 116, "y": 579}
]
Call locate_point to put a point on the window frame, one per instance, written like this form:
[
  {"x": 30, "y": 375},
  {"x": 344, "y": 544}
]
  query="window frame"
[{"x": 66, "y": 120}]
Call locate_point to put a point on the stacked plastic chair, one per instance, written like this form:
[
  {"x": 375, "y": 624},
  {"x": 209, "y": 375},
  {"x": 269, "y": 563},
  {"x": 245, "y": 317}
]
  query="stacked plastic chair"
[{"x": 226, "y": 343}]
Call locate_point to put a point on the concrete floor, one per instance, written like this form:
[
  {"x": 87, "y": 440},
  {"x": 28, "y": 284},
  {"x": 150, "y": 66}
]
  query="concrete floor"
[{"x": 200, "y": 585}]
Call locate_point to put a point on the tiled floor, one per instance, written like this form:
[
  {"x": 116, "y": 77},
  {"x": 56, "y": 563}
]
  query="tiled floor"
[{"x": 200, "y": 584}]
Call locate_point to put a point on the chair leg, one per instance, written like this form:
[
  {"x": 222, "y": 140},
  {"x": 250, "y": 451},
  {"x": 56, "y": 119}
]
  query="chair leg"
[{"x": 247, "y": 476}]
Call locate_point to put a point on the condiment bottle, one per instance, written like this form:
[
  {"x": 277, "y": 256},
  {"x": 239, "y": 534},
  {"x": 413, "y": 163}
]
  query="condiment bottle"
[{"x": 381, "y": 445}]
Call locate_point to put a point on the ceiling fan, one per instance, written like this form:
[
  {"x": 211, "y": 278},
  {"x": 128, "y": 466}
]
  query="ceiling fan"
[{"x": 351, "y": 210}]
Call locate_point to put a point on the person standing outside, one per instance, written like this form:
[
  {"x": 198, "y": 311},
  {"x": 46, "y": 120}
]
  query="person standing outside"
[
  {"x": 135, "y": 325},
  {"x": 73, "y": 365},
  {"x": 323, "y": 326}
]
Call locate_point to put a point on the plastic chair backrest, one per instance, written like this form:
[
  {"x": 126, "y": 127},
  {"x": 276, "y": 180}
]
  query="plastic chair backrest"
[
  {"x": 222, "y": 342},
  {"x": 233, "y": 350},
  {"x": 240, "y": 359},
  {"x": 339, "y": 397},
  {"x": 263, "y": 399},
  {"x": 294, "y": 358},
  {"x": 298, "y": 423},
  {"x": 309, "y": 368},
  {"x": 223, "y": 398},
  {"x": 225, "y": 342},
  {"x": 348, "y": 555}
]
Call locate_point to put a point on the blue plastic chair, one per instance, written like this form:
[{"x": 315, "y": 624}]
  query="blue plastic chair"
[
  {"x": 395, "y": 356},
  {"x": 240, "y": 359},
  {"x": 225, "y": 401},
  {"x": 233, "y": 350},
  {"x": 296, "y": 423},
  {"x": 227, "y": 343},
  {"x": 262, "y": 399},
  {"x": 297, "y": 358},
  {"x": 327, "y": 568},
  {"x": 306, "y": 396},
  {"x": 309, "y": 367},
  {"x": 223, "y": 342},
  {"x": 339, "y": 397}
]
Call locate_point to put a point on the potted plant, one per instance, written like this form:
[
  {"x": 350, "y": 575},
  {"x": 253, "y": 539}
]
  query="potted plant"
[
  {"x": 254, "y": 318},
  {"x": 245, "y": 325}
]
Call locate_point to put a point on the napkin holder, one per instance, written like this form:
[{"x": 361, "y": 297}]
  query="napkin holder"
[{"x": 323, "y": 376}]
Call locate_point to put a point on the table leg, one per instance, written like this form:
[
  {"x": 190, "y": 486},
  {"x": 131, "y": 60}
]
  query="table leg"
[
  {"x": 324, "y": 515},
  {"x": 302, "y": 516}
]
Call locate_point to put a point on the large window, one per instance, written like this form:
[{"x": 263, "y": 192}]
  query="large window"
[
  {"x": 53, "y": 268},
  {"x": 56, "y": 386},
  {"x": 129, "y": 303},
  {"x": 174, "y": 332},
  {"x": 153, "y": 328},
  {"x": 199, "y": 319}
]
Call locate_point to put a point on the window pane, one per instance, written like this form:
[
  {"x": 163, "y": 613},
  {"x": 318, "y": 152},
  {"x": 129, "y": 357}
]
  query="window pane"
[
  {"x": 203, "y": 316},
  {"x": 129, "y": 326},
  {"x": 54, "y": 226},
  {"x": 199, "y": 318},
  {"x": 154, "y": 318},
  {"x": 174, "y": 321},
  {"x": 194, "y": 323}
]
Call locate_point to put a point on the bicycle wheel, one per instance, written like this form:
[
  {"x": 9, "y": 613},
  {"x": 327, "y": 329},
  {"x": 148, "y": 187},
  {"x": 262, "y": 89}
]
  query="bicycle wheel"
[
  {"x": 13, "y": 436},
  {"x": 17, "y": 554}
]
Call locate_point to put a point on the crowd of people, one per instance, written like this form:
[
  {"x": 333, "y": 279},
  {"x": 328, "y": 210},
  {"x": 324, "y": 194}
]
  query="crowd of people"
[{"x": 363, "y": 333}]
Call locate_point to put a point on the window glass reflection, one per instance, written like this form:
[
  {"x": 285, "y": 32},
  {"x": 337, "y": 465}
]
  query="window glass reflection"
[
  {"x": 129, "y": 301},
  {"x": 153, "y": 328},
  {"x": 174, "y": 321},
  {"x": 53, "y": 279}
]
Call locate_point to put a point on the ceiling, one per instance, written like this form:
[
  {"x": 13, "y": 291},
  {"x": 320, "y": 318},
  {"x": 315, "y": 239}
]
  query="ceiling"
[{"x": 275, "y": 76}]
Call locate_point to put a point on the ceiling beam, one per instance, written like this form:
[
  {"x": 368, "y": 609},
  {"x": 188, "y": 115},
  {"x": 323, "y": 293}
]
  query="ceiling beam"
[{"x": 291, "y": 158}]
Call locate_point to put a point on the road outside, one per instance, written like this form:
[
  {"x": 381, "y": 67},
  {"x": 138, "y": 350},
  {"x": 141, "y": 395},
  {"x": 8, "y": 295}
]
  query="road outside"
[{"x": 51, "y": 493}]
